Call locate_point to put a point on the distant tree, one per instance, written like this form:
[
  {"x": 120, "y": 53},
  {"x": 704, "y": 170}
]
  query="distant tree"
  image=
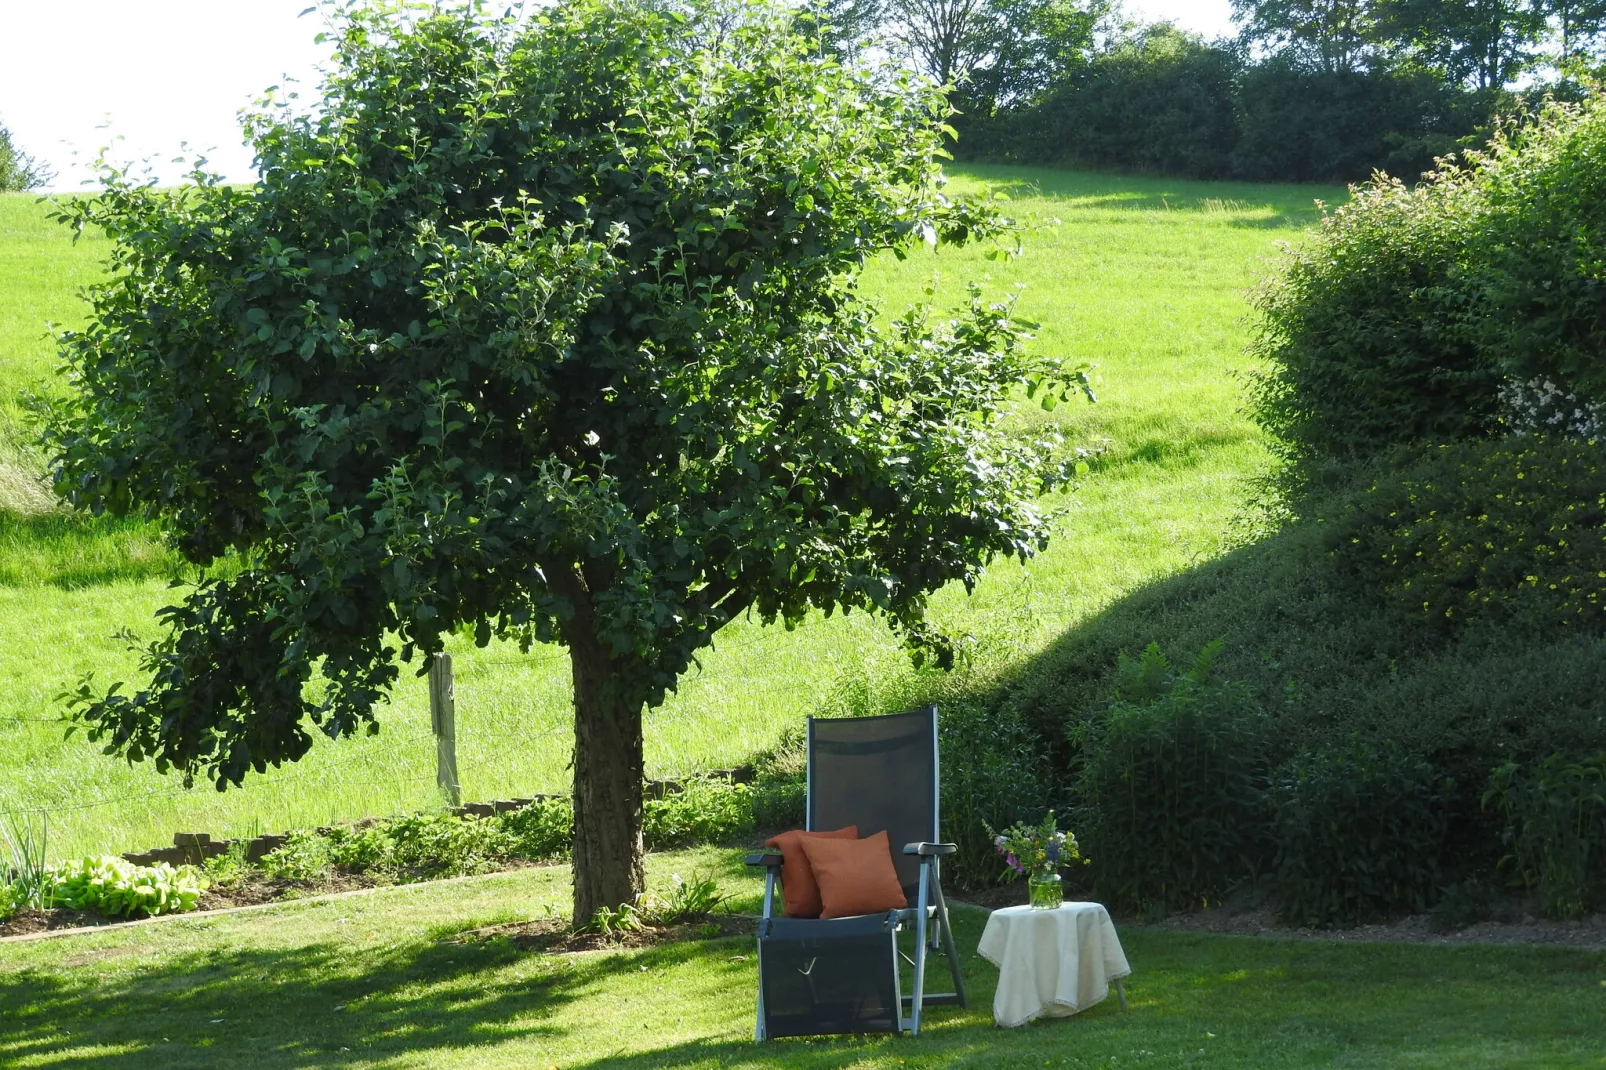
[
  {"x": 18, "y": 170},
  {"x": 995, "y": 52},
  {"x": 843, "y": 27},
  {"x": 547, "y": 330},
  {"x": 1333, "y": 36},
  {"x": 1580, "y": 28},
  {"x": 1485, "y": 43}
]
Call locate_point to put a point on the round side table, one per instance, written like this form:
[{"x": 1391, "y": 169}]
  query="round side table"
[{"x": 1052, "y": 963}]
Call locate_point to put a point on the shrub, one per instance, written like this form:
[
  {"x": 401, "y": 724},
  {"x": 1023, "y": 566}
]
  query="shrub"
[
  {"x": 780, "y": 788},
  {"x": 1298, "y": 124},
  {"x": 425, "y": 846},
  {"x": 117, "y": 887},
  {"x": 1363, "y": 332},
  {"x": 1159, "y": 102},
  {"x": 1462, "y": 308},
  {"x": 304, "y": 857},
  {"x": 995, "y": 772},
  {"x": 541, "y": 832},
  {"x": 704, "y": 811},
  {"x": 1171, "y": 813},
  {"x": 1538, "y": 251},
  {"x": 1554, "y": 814},
  {"x": 1508, "y": 532},
  {"x": 1359, "y": 828}
]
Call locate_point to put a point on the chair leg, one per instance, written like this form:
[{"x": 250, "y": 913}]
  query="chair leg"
[
  {"x": 945, "y": 932},
  {"x": 920, "y": 950},
  {"x": 759, "y": 1032}
]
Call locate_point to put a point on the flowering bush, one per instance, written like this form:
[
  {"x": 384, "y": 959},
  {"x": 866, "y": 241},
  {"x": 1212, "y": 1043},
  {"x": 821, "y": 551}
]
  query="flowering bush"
[{"x": 1036, "y": 849}]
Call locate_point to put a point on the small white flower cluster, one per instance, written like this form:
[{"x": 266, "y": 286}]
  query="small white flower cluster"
[{"x": 1539, "y": 406}]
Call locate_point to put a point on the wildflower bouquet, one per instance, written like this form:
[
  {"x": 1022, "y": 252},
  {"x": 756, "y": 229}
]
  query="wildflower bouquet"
[{"x": 1038, "y": 851}]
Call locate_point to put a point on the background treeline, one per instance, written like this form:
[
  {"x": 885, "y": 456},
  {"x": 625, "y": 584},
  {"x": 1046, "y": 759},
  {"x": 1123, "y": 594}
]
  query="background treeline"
[{"x": 1309, "y": 90}]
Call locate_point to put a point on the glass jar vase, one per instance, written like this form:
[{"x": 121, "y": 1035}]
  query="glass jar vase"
[{"x": 1044, "y": 891}]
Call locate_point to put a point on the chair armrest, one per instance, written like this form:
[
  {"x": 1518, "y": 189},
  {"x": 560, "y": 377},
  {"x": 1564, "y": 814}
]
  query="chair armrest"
[
  {"x": 930, "y": 850},
  {"x": 767, "y": 859}
]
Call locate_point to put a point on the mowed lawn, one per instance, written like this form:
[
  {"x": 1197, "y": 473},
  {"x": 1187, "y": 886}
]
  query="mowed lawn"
[
  {"x": 1143, "y": 278},
  {"x": 400, "y": 978}
]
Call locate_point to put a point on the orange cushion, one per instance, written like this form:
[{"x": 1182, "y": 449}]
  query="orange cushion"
[
  {"x": 800, "y": 896},
  {"x": 855, "y": 876}
]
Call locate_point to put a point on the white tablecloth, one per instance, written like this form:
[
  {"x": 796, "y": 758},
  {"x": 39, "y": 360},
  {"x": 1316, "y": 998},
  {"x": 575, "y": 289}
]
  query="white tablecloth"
[{"x": 1051, "y": 963}]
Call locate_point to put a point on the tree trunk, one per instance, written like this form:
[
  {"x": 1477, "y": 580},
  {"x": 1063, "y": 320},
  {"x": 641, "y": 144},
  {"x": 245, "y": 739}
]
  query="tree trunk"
[{"x": 608, "y": 767}]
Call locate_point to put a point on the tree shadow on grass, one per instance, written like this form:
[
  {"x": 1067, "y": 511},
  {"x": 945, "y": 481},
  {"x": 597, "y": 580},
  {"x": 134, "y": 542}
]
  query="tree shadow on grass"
[
  {"x": 324, "y": 1004},
  {"x": 342, "y": 1004}
]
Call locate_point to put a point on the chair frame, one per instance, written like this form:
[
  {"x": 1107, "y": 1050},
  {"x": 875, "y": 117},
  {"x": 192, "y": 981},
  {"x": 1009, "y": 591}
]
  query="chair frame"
[{"x": 930, "y": 906}]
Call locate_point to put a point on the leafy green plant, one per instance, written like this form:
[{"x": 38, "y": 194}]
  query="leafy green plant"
[
  {"x": 1462, "y": 307},
  {"x": 703, "y": 811},
  {"x": 1363, "y": 339},
  {"x": 118, "y": 887},
  {"x": 686, "y": 900},
  {"x": 435, "y": 845},
  {"x": 25, "y": 879},
  {"x": 540, "y": 832},
  {"x": 1359, "y": 830},
  {"x": 1170, "y": 797},
  {"x": 304, "y": 857},
  {"x": 229, "y": 868},
  {"x": 614, "y": 923},
  {"x": 1554, "y": 814}
]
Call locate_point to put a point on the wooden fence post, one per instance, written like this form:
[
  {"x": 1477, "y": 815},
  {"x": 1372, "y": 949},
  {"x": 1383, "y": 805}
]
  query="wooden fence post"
[{"x": 443, "y": 718}]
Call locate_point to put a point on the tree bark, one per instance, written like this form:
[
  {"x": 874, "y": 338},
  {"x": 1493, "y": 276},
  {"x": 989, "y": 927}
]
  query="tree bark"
[{"x": 608, "y": 766}]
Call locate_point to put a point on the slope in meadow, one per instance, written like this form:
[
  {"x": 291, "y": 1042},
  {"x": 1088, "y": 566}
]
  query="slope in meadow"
[{"x": 1145, "y": 278}]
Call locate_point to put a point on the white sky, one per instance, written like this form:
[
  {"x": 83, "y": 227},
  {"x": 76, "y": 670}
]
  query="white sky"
[{"x": 159, "y": 73}]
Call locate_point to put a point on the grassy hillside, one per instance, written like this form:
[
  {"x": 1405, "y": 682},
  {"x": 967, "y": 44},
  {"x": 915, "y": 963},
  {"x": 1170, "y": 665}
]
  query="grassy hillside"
[{"x": 1144, "y": 278}]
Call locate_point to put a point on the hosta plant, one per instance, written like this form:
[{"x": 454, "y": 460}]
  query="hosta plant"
[{"x": 120, "y": 888}]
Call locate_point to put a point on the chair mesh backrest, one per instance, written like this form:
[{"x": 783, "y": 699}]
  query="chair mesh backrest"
[{"x": 879, "y": 773}]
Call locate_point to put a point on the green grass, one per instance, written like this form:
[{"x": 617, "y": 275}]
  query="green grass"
[
  {"x": 1144, "y": 278},
  {"x": 396, "y": 979}
]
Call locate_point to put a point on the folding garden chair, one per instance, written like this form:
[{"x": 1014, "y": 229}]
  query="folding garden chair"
[{"x": 844, "y": 975}]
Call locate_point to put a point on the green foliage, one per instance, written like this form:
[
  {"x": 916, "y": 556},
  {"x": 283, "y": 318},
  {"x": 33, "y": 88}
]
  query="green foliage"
[
  {"x": 686, "y": 900},
  {"x": 542, "y": 831},
  {"x": 304, "y": 857},
  {"x": 704, "y": 811},
  {"x": 1171, "y": 811},
  {"x": 1359, "y": 829},
  {"x": 995, "y": 772},
  {"x": 427, "y": 846},
  {"x": 1505, "y": 532},
  {"x": 1465, "y": 306},
  {"x": 1165, "y": 101},
  {"x": 1299, "y": 124},
  {"x": 25, "y": 876},
  {"x": 1158, "y": 102},
  {"x": 542, "y": 329},
  {"x": 1537, "y": 253},
  {"x": 1361, "y": 334},
  {"x": 1554, "y": 814},
  {"x": 18, "y": 170},
  {"x": 117, "y": 887}
]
